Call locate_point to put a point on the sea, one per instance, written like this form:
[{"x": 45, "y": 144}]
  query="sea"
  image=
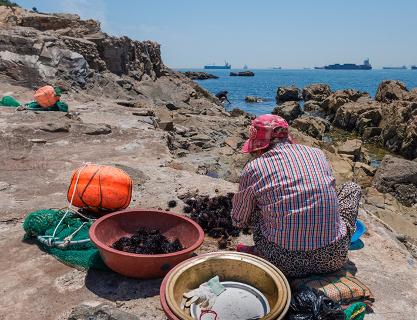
[{"x": 266, "y": 81}]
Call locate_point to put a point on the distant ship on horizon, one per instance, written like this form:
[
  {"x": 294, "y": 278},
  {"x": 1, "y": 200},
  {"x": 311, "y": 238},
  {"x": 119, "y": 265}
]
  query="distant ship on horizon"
[
  {"x": 395, "y": 68},
  {"x": 213, "y": 66},
  {"x": 245, "y": 67},
  {"x": 348, "y": 66}
]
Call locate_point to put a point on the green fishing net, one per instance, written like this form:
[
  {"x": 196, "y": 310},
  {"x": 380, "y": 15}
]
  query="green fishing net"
[
  {"x": 9, "y": 101},
  {"x": 41, "y": 224},
  {"x": 58, "y": 106}
]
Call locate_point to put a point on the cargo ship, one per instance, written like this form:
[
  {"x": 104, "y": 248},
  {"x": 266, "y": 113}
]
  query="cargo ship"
[
  {"x": 348, "y": 66},
  {"x": 213, "y": 66},
  {"x": 395, "y": 68}
]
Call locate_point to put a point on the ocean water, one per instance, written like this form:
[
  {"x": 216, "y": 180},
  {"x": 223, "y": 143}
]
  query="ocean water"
[{"x": 265, "y": 83}]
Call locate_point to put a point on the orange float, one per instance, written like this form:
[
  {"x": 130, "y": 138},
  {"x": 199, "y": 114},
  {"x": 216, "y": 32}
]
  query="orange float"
[
  {"x": 46, "y": 96},
  {"x": 100, "y": 188}
]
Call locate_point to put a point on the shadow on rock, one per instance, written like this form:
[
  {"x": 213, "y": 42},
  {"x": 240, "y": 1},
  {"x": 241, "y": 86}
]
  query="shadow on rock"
[{"x": 115, "y": 287}]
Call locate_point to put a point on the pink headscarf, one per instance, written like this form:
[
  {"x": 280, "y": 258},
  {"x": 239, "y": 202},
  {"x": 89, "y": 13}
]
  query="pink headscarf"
[{"x": 264, "y": 130}]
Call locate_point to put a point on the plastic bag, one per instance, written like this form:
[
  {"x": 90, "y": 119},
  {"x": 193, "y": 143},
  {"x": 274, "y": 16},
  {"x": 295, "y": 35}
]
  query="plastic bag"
[{"x": 311, "y": 304}]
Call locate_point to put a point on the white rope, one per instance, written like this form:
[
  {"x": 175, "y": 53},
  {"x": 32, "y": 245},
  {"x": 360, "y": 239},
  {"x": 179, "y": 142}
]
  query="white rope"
[{"x": 51, "y": 240}]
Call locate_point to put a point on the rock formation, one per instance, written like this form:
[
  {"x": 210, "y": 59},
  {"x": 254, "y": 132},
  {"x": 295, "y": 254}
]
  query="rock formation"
[
  {"x": 284, "y": 94},
  {"x": 289, "y": 110},
  {"x": 242, "y": 74},
  {"x": 194, "y": 75}
]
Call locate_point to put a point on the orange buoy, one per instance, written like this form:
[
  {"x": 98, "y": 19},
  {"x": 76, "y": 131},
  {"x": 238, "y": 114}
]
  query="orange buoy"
[
  {"x": 46, "y": 96},
  {"x": 100, "y": 188}
]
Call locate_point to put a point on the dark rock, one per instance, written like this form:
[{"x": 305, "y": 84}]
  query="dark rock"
[
  {"x": 99, "y": 312},
  {"x": 199, "y": 75},
  {"x": 284, "y": 94},
  {"x": 171, "y": 106},
  {"x": 253, "y": 99},
  {"x": 316, "y": 92},
  {"x": 398, "y": 177},
  {"x": 288, "y": 110},
  {"x": 313, "y": 126},
  {"x": 389, "y": 90},
  {"x": 242, "y": 74},
  {"x": 371, "y": 132},
  {"x": 313, "y": 106}
]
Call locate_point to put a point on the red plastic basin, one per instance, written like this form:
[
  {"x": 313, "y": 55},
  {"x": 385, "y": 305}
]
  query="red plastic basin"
[{"x": 109, "y": 228}]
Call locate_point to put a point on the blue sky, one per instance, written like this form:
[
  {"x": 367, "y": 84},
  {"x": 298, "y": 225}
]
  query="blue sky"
[{"x": 263, "y": 33}]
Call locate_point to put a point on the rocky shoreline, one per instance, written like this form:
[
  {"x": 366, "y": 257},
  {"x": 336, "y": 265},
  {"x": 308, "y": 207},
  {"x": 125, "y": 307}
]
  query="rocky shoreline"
[{"x": 174, "y": 139}]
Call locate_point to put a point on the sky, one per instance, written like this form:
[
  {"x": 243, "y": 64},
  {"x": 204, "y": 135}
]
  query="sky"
[{"x": 262, "y": 33}]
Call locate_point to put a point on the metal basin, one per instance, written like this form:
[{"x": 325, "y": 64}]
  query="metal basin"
[{"x": 229, "y": 266}]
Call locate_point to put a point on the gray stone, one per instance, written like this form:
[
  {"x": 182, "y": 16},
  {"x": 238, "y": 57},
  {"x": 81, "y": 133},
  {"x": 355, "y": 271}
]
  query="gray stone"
[
  {"x": 253, "y": 99},
  {"x": 288, "y": 110},
  {"x": 398, "y": 177}
]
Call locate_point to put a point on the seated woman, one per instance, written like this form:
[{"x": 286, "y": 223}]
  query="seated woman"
[{"x": 288, "y": 194}]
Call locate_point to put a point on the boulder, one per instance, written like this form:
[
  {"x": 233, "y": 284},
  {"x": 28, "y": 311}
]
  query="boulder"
[
  {"x": 389, "y": 90},
  {"x": 398, "y": 177},
  {"x": 289, "y": 110},
  {"x": 313, "y": 106},
  {"x": 399, "y": 127},
  {"x": 351, "y": 147},
  {"x": 358, "y": 116},
  {"x": 193, "y": 75},
  {"x": 371, "y": 132},
  {"x": 242, "y": 74},
  {"x": 284, "y": 94},
  {"x": 253, "y": 99},
  {"x": 316, "y": 92},
  {"x": 313, "y": 126},
  {"x": 340, "y": 97}
]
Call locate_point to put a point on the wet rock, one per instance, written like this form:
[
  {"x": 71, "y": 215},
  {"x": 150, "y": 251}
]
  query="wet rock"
[
  {"x": 242, "y": 74},
  {"x": 313, "y": 126},
  {"x": 289, "y": 110},
  {"x": 398, "y": 177},
  {"x": 389, "y": 90},
  {"x": 92, "y": 311},
  {"x": 199, "y": 75},
  {"x": 253, "y": 99},
  {"x": 351, "y": 147},
  {"x": 284, "y": 94},
  {"x": 316, "y": 92}
]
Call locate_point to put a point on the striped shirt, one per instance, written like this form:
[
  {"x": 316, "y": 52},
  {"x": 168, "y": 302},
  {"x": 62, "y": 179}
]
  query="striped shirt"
[{"x": 293, "y": 187}]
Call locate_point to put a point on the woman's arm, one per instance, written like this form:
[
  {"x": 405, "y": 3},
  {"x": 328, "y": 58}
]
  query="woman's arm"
[{"x": 244, "y": 201}]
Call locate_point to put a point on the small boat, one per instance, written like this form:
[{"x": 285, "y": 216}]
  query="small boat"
[{"x": 213, "y": 66}]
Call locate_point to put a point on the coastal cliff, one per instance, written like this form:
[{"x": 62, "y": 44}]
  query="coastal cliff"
[{"x": 172, "y": 137}]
